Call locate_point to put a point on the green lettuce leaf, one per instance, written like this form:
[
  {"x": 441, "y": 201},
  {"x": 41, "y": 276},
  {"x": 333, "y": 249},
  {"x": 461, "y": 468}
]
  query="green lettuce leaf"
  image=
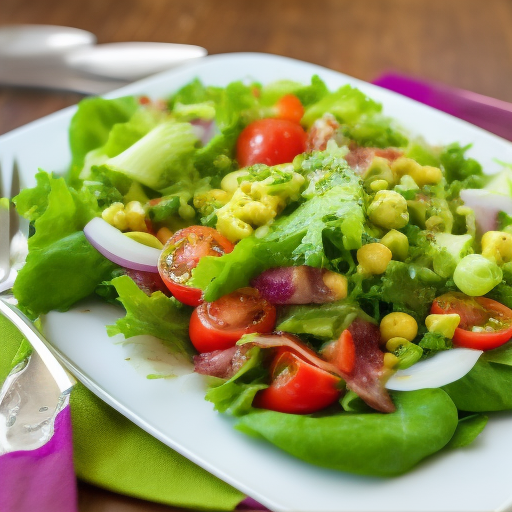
[
  {"x": 375, "y": 131},
  {"x": 347, "y": 104},
  {"x": 368, "y": 444},
  {"x": 162, "y": 157},
  {"x": 60, "y": 274},
  {"x": 235, "y": 395},
  {"x": 324, "y": 321},
  {"x": 90, "y": 126},
  {"x": 157, "y": 315},
  {"x": 307, "y": 94},
  {"x": 62, "y": 267}
]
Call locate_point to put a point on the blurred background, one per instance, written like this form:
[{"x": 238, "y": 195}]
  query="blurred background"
[{"x": 461, "y": 43}]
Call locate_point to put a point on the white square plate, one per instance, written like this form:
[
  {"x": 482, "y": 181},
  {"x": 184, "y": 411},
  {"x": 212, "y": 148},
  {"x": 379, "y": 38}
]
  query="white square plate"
[{"x": 473, "y": 479}]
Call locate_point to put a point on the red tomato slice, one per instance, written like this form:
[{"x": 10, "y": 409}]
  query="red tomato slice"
[
  {"x": 297, "y": 386},
  {"x": 271, "y": 142},
  {"x": 182, "y": 253},
  {"x": 289, "y": 107},
  {"x": 493, "y": 317},
  {"x": 220, "y": 324}
]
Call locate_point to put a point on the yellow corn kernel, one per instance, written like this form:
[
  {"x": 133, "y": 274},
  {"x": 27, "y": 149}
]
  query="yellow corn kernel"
[
  {"x": 109, "y": 213},
  {"x": 497, "y": 246},
  {"x": 390, "y": 360},
  {"x": 135, "y": 216},
  {"x": 373, "y": 258},
  {"x": 421, "y": 174},
  {"x": 120, "y": 221},
  {"x": 337, "y": 283},
  {"x": 398, "y": 325},
  {"x": 163, "y": 234}
]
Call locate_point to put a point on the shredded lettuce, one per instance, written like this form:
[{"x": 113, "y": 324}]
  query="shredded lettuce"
[{"x": 91, "y": 125}]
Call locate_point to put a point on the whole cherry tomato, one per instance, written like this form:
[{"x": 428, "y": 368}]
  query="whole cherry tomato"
[
  {"x": 289, "y": 107},
  {"x": 271, "y": 142}
]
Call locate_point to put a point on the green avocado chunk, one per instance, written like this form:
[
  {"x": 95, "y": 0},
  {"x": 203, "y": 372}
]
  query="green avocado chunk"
[{"x": 373, "y": 444}]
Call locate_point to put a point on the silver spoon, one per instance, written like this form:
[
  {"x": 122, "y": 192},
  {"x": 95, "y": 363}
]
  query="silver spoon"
[{"x": 67, "y": 58}]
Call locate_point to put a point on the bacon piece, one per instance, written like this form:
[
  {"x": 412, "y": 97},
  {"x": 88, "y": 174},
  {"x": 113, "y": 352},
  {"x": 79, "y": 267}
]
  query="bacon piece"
[
  {"x": 221, "y": 363},
  {"x": 321, "y": 132},
  {"x": 148, "y": 282},
  {"x": 367, "y": 375},
  {"x": 360, "y": 158},
  {"x": 285, "y": 339},
  {"x": 300, "y": 285}
]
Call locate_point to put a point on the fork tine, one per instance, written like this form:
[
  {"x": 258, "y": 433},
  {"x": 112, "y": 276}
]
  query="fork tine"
[
  {"x": 14, "y": 221},
  {"x": 5, "y": 264}
]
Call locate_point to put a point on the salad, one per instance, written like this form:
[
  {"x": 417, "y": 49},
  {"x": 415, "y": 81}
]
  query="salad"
[{"x": 344, "y": 285}]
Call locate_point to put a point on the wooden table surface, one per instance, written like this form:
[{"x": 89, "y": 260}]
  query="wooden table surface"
[{"x": 463, "y": 43}]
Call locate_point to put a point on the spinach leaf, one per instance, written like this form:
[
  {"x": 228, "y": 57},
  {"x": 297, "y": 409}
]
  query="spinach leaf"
[
  {"x": 368, "y": 444},
  {"x": 468, "y": 429},
  {"x": 488, "y": 386}
]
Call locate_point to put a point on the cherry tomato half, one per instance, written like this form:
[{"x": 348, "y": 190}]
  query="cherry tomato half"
[
  {"x": 220, "y": 324},
  {"x": 492, "y": 320},
  {"x": 182, "y": 253},
  {"x": 289, "y": 107},
  {"x": 271, "y": 142},
  {"x": 297, "y": 386}
]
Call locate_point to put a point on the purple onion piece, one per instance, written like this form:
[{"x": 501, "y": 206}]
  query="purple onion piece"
[{"x": 294, "y": 285}]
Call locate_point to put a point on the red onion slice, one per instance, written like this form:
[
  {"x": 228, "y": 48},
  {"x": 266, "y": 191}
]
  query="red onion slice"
[
  {"x": 204, "y": 129},
  {"x": 300, "y": 285},
  {"x": 120, "y": 249},
  {"x": 486, "y": 206}
]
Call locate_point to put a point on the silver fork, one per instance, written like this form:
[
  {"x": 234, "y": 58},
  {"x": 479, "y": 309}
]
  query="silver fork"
[{"x": 38, "y": 388}]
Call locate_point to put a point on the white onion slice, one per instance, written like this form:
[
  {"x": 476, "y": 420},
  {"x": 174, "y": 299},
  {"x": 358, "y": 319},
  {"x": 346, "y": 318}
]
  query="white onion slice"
[
  {"x": 443, "y": 368},
  {"x": 486, "y": 206},
  {"x": 120, "y": 249}
]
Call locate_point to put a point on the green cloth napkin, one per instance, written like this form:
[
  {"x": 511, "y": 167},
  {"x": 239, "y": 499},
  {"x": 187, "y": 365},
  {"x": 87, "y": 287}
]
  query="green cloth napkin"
[{"x": 113, "y": 453}]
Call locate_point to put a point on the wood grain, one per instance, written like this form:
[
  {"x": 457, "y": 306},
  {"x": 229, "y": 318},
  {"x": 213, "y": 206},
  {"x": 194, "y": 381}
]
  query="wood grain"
[{"x": 463, "y": 43}]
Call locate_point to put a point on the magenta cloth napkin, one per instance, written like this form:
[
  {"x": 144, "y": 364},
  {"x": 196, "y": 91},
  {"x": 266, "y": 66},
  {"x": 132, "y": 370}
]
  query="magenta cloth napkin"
[
  {"x": 487, "y": 113},
  {"x": 41, "y": 480}
]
